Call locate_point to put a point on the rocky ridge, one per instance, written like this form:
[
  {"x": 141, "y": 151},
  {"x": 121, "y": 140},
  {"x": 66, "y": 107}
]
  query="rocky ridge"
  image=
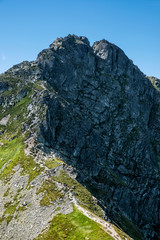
[{"x": 95, "y": 110}]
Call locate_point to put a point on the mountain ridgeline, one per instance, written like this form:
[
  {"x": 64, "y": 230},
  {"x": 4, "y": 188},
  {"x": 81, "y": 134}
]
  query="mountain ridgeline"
[{"x": 94, "y": 117}]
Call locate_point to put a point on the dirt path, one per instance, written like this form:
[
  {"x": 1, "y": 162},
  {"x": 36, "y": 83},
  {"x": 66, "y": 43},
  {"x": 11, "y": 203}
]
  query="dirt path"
[{"x": 108, "y": 227}]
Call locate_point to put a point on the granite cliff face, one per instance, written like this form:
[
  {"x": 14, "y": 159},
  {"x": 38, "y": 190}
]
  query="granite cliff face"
[{"x": 101, "y": 116}]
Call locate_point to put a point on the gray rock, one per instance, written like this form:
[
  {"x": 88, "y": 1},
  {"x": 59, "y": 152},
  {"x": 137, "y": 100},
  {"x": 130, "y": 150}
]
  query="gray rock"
[
  {"x": 4, "y": 86},
  {"x": 102, "y": 123},
  {"x": 103, "y": 118}
]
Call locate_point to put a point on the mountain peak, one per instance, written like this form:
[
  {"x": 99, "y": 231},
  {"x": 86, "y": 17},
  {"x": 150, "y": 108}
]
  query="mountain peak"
[
  {"x": 70, "y": 39},
  {"x": 79, "y": 129}
]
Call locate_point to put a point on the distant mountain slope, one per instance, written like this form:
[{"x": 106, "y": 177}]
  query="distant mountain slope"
[{"x": 79, "y": 126}]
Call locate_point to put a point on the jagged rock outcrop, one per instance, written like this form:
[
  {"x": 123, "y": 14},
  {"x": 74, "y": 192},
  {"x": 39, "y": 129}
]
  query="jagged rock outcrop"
[
  {"x": 103, "y": 118},
  {"x": 102, "y": 123}
]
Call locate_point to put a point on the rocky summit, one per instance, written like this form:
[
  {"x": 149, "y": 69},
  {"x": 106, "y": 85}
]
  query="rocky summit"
[{"x": 79, "y": 146}]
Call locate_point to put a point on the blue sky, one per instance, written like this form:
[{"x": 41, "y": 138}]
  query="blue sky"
[{"x": 27, "y": 27}]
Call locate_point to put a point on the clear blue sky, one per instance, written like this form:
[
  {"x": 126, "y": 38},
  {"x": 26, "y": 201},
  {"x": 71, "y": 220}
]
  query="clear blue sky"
[{"x": 27, "y": 27}]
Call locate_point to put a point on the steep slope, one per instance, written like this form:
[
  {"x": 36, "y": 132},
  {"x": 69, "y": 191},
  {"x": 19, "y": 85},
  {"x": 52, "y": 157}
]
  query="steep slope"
[
  {"x": 38, "y": 189},
  {"x": 94, "y": 109}
]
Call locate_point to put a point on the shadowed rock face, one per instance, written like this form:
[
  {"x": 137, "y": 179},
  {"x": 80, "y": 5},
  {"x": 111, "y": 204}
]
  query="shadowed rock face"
[
  {"x": 103, "y": 118},
  {"x": 3, "y": 87}
]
